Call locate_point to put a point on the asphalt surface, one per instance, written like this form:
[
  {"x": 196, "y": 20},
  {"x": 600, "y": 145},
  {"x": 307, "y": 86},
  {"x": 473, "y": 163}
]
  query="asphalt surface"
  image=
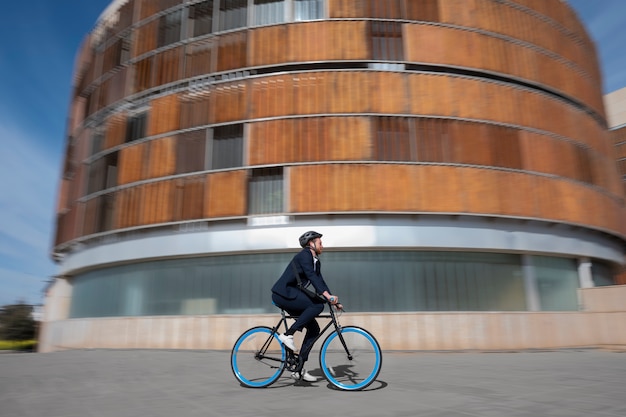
[{"x": 155, "y": 383}]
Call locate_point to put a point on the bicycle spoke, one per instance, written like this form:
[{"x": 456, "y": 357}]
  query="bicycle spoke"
[
  {"x": 355, "y": 369},
  {"x": 255, "y": 362}
]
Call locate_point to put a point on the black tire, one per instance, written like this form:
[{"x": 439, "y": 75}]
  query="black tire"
[
  {"x": 253, "y": 368},
  {"x": 353, "y": 370}
]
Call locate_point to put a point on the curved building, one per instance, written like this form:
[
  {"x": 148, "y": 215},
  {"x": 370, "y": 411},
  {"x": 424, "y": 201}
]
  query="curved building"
[
  {"x": 454, "y": 153},
  {"x": 615, "y": 104}
]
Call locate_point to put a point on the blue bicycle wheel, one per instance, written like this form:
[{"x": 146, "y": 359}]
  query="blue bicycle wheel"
[
  {"x": 355, "y": 368},
  {"x": 257, "y": 358}
]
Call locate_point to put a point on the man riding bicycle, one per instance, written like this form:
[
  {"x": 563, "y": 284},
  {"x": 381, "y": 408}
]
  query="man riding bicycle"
[{"x": 298, "y": 292}]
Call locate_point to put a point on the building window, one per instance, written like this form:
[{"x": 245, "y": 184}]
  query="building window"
[
  {"x": 387, "y": 41},
  {"x": 233, "y": 14},
  {"x": 191, "y": 151},
  {"x": 308, "y": 9},
  {"x": 116, "y": 54},
  {"x": 125, "y": 52},
  {"x": 392, "y": 139},
  {"x": 201, "y": 18},
  {"x": 227, "y": 147},
  {"x": 98, "y": 215},
  {"x": 378, "y": 281},
  {"x": 557, "y": 283},
  {"x": 602, "y": 274},
  {"x": 169, "y": 28},
  {"x": 265, "y": 191},
  {"x": 136, "y": 126},
  {"x": 97, "y": 142},
  {"x": 105, "y": 213},
  {"x": 103, "y": 173},
  {"x": 267, "y": 12}
]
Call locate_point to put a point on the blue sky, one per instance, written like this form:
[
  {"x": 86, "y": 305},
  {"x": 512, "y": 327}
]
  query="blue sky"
[{"x": 38, "y": 42}]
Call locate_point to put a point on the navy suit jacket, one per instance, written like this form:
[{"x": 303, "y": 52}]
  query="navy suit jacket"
[{"x": 287, "y": 285}]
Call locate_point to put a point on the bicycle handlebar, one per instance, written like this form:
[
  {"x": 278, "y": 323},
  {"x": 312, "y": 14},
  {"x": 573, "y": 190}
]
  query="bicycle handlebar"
[
  {"x": 337, "y": 306},
  {"x": 327, "y": 301}
]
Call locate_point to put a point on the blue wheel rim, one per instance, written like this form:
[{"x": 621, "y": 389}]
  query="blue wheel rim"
[
  {"x": 240, "y": 376},
  {"x": 370, "y": 378}
]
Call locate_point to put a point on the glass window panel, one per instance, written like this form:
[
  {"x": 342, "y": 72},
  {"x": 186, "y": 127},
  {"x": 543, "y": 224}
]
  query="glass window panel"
[
  {"x": 602, "y": 274},
  {"x": 100, "y": 214},
  {"x": 94, "y": 296},
  {"x": 97, "y": 142},
  {"x": 227, "y": 149},
  {"x": 370, "y": 281},
  {"x": 557, "y": 283},
  {"x": 267, "y": 12},
  {"x": 169, "y": 28},
  {"x": 136, "y": 127},
  {"x": 387, "y": 41},
  {"x": 265, "y": 191},
  {"x": 308, "y": 9},
  {"x": 201, "y": 16},
  {"x": 233, "y": 14},
  {"x": 96, "y": 176},
  {"x": 111, "y": 170},
  {"x": 103, "y": 173}
]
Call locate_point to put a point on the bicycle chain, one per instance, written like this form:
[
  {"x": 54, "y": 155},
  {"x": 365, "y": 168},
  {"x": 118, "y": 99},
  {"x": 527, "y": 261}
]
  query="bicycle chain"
[{"x": 293, "y": 362}]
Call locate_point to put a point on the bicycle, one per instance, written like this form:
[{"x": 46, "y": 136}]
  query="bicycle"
[{"x": 350, "y": 357}]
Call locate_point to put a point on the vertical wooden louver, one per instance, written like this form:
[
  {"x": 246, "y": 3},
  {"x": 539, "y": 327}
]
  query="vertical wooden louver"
[{"x": 393, "y": 106}]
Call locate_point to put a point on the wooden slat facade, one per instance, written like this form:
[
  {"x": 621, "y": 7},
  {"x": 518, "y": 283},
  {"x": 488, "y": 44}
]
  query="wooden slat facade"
[
  {"x": 450, "y": 189},
  {"x": 225, "y": 194},
  {"x": 443, "y": 45},
  {"x": 311, "y": 103}
]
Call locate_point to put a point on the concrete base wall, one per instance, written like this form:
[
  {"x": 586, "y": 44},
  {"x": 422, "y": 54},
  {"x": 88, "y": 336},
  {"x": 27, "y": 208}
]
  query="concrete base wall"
[
  {"x": 601, "y": 324},
  {"x": 604, "y": 299}
]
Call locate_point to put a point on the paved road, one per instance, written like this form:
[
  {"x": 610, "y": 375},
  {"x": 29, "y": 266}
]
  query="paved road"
[{"x": 155, "y": 383}]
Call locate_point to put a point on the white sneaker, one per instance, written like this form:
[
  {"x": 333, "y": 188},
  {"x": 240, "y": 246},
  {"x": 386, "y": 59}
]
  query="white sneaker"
[
  {"x": 287, "y": 341},
  {"x": 305, "y": 376}
]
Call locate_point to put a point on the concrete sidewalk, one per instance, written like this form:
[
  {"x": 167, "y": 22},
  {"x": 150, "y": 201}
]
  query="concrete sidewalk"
[{"x": 155, "y": 383}]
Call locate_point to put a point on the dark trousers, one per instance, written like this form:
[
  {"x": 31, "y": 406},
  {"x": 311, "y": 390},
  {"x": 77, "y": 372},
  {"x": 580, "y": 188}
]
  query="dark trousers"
[{"x": 307, "y": 310}]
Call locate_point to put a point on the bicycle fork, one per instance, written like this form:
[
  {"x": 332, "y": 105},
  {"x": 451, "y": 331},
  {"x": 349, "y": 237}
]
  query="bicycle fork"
[{"x": 343, "y": 342}]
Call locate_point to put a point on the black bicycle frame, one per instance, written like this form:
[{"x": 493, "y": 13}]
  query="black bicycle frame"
[{"x": 283, "y": 321}]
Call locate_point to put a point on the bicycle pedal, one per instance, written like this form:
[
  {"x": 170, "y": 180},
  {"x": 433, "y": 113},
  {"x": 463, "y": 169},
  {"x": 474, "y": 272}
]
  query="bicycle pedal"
[{"x": 292, "y": 362}]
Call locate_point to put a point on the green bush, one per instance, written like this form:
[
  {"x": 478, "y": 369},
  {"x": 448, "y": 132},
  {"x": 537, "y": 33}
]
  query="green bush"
[
  {"x": 18, "y": 345},
  {"x": 16, "y": 322}
]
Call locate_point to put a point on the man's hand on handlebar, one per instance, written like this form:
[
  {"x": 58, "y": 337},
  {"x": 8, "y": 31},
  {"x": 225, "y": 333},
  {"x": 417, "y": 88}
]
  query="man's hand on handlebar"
[{"x": 333, "y": 299}]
